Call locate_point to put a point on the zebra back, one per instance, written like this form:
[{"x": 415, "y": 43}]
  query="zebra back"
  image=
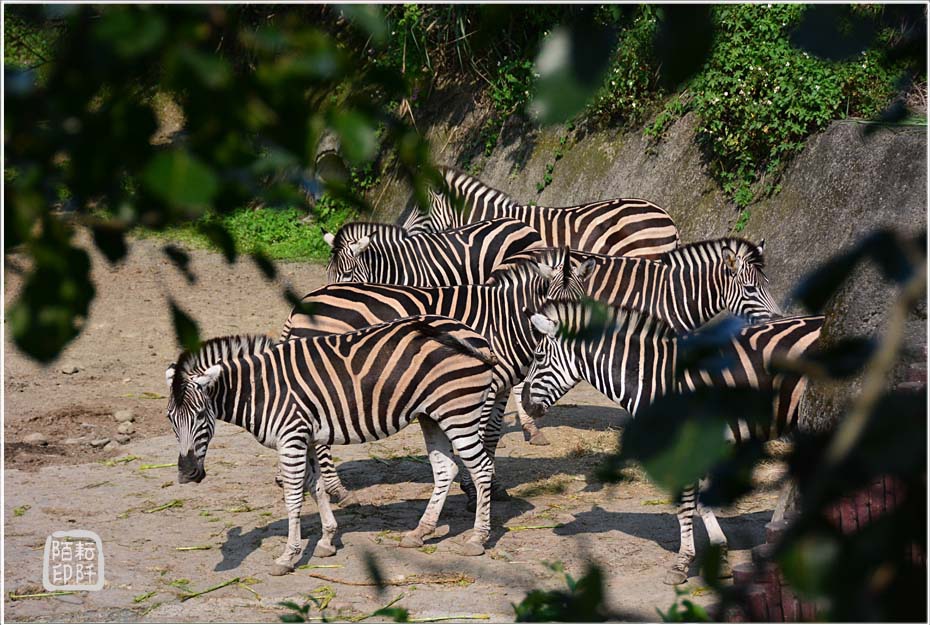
[
  {"x": 754, "y": 356},
  {"x": 495, "y": 311},
  {"x": 387, "y": 254},
  {"x": 619, "y": 227},
  {"x": 351, "y": 388},
  {"x": 615, "y": 347},
  {"x": 685, "y": 287}
]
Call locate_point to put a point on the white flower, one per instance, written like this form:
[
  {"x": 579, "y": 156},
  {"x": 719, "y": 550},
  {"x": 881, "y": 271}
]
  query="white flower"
[
  {"x": 787, "y": 64},
  {"x": 726, "y": 93}
]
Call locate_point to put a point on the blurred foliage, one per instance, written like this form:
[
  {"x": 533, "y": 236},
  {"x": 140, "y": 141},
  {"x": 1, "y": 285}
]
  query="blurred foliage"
[
  {"x": 582, "y": 601},
  {"x": 760, "y": 94},
  {"x": 88, "y": 145},
  {"x": 81, "y": 144},
  {"x": 869, "y": 574}
]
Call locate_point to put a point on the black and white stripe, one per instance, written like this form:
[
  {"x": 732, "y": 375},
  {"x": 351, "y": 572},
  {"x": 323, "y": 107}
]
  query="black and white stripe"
[
  {"x": 618, "y": 227},
  {"x": 388, "y": 254},
  {"x": 632, "y": 358},
  {"x": 685, "y": 288},
  {"x": 342, "y": 389},
  {"x": 495, "y": 311}
]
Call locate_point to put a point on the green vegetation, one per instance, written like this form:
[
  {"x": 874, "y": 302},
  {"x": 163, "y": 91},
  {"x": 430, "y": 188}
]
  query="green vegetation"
[{"x": 758, "y": 97}]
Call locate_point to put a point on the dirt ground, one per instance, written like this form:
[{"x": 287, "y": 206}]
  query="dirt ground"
[{"x": 236, "y": 516}]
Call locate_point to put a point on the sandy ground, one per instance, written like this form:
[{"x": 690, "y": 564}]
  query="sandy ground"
[{"x": 237, "y": 513}]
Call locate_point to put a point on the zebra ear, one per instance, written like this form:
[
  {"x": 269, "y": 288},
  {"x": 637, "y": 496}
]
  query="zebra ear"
[
  {"x": 329, "y": 238},
  {"x": 732, "y": 260},
  {"x": 360, "y": 246},
  {"x": 544, "y": 324},
  {"x": 761, "y": 245},
  {"x": 585, "y": 270},
  {"x": 545, "y": 271},
  {"x": 169, "y": 374},
  {"x": 209, "y": 376}
]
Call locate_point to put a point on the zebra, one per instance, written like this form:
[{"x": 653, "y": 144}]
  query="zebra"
[
  {"x": 388, "y": 254},
  {"x": 618, "y": 227},
  {"x": 685, "y": 288},
  {"x": 341, "y": 389},
  {"x": 492, "y": 310},
  {"x": 632, "y": 358}
]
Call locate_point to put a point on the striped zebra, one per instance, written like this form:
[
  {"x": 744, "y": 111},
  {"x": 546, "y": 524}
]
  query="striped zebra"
[
  {"x": 339, "y": 390},
  {"x": 685, "y": 288},
  {"x": 618, "y": 227},
  {"x": 632, "y": 358},
  {"x": 388, "y": 254},
  {"x": 492, "y": 310}
]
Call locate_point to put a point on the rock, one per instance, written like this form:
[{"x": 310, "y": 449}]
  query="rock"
[
  {"x": 126, "y": 428},
  {"x": 123, "y": 416},
  {"x": 122, "y": 439},
  {"x": 35, "y": 438},
  {"x": 99, "y": 442},
  {"x": 88, "y": 425},
  {"x": 73, "y": 441},
  {"x": 110, "y": 446},
  {"x": 69, "y": 369}
]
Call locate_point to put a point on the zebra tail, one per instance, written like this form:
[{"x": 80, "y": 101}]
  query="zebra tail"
[{"x": 448, "y": 340}]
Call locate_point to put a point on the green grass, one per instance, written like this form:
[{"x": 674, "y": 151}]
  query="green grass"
[{"x": 281, "y": 234}]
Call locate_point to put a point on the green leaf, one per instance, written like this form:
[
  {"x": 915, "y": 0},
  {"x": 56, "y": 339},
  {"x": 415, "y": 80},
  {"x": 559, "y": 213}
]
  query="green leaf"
[
  {"x": 571, "y": 66},
  {"x": 369, "y": 17},
  {"x": 181, "y": 260},
  {"x": 185, "y": 328},
  {"x": 358, "y": 141},
  {"x": 131, "y": 31},
  {"x": 180, "y": 179},
  {"x": 110, "y": 240},
  {"x": 220, "y": 237}
]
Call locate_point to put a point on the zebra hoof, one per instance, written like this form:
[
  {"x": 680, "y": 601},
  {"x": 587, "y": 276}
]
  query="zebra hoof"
[
  {"x": 323, "y": 551},
  {"x": 674, "y": 577},
  {"x": 348, "y": 500},
  {"x": 470, "y": 548},
  {"x": 498, "y": 493},
  {"x": 439, "y": 532},
  {"x": 411, "y": 540},
  {"x": 539, "y": 439},
  {"x": 280, "y": 569}
]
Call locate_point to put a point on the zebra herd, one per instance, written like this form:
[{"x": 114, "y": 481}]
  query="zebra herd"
[{"x": 442, "y": 317}]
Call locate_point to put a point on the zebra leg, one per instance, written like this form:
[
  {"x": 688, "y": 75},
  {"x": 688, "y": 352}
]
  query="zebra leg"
[
  {"x": 717, "y": 537},
  {"x": 678, "y": 574},
  {"x": 481, "y": 468},
  {"x": 439, "y": 448},
  {"x": 337, "y": 492},
  {"x": 324, "y": 547},
  {"x": 531, "y": 432},
  {"x": 490, "y": 431},
  {"x": 292, "y": 461}
]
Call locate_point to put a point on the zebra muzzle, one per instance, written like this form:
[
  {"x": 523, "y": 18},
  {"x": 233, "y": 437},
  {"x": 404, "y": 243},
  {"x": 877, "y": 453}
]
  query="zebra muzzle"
[{"x": 190, "y": 469}]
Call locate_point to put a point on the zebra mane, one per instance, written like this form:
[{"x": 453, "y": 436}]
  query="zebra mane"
[
  {"x": 351, "y": 232},
  {"x": 212, "y": 352},
  {"x": 590, "y": 317},
  {"x": 465, "y": 186},
  {"x": 749, "y": 250}
]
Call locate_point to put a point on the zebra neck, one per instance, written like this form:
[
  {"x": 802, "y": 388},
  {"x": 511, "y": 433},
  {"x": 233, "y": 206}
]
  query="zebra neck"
[
  {"x": 633, "y": 368},
  {"x": 239, "y": 395},
  {"x": 693, "y": 295}
]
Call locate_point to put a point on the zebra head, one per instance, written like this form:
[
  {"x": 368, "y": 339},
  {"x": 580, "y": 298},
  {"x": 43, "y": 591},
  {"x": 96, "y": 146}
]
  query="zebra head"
[
  {"x": 553, "y": 371},
  {"x": 565, "y": 275},
  {"x": 345, "y": 263},
  {"x": 191, "y": 413},
  {"x": 746, "y": 291},
  {"x": 442, "y": 211}
]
